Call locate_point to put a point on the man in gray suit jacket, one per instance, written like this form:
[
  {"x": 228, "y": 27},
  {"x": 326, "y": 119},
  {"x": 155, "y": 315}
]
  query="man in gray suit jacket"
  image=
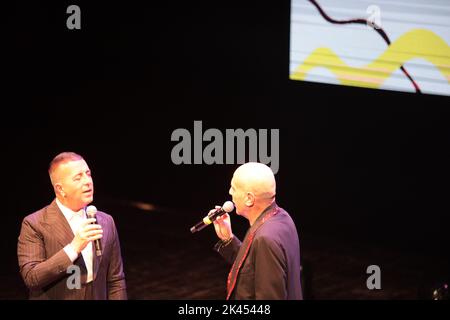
[
  {"x": 55, "y": 248},
  {"x": 266, "y": 265}
]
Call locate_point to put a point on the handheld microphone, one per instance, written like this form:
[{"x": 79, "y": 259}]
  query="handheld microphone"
[
  {"x": 227, "y": 207},
  {"x": 91, "y": 211}
]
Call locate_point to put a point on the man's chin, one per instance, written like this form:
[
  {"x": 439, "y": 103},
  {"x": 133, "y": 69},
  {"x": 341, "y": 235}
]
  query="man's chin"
[{"x": 88, "y": 200}]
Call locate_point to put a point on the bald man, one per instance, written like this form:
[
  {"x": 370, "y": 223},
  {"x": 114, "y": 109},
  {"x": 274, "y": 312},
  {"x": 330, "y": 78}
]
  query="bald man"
[
  {"x": 266, "y": 265},
  {"x": 55, "y": 248}
]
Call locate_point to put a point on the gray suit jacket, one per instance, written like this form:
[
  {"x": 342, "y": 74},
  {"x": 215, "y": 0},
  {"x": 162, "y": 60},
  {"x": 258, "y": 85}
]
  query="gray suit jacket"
[
  {"x": 270, "y": 266},
  {"x": 43, "y": 262}
]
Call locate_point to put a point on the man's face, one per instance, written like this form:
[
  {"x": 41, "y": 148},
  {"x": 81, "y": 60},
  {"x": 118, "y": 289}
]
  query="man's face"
[
  {"x": 76, "y": 184},
  {"x": 237, "y": 196}
]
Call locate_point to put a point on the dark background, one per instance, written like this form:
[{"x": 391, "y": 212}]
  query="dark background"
[{"x": 364, "y": 173}]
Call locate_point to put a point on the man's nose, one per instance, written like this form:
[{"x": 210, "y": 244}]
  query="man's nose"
[{"x": 87, "y": 179}]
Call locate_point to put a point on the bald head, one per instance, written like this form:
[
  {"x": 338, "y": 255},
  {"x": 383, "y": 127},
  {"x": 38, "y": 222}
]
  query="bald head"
[
  {"x": 256, "y": 178},
  {"x": 253, "y": 188}
]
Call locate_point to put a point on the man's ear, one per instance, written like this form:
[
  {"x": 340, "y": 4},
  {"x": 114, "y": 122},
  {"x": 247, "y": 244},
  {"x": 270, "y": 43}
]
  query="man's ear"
[
  {"x": 59, "y": 189},
  {"x": 249, "y": 199}
]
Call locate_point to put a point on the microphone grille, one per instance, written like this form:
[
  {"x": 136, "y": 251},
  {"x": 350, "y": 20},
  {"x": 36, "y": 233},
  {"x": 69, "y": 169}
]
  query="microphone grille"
[
  {"x": 91, "y": 211},
  {"x": 228, "y": 206}
]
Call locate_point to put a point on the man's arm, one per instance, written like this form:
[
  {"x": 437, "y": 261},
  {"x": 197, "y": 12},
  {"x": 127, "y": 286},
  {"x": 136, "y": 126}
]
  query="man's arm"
[
  {"x": 229, "y": 245},
  {"x": 270, "y": 270},
  {"x": 116, "y": 277},
  {"x": 37, "y": 271},
  {"x": 228, "y": 249}
]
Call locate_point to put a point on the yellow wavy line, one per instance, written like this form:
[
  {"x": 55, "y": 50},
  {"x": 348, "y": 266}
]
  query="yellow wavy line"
[{"x": 418, "y": 43}]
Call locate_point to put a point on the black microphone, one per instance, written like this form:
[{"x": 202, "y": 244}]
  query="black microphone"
[
  {"x": 227, "y": 207},
  {"x": 91, "y": 211}
]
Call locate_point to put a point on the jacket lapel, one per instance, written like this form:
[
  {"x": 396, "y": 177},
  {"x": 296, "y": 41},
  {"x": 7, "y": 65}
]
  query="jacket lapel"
[
  {"x": 57, "y": 225},
  {"x": 245, "y": 247}
]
